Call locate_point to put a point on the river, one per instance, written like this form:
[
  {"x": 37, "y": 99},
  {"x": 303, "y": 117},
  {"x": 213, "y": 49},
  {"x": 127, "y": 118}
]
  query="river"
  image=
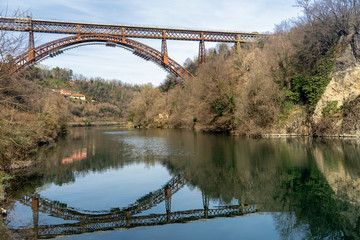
[{"x": 111, "y": 183}]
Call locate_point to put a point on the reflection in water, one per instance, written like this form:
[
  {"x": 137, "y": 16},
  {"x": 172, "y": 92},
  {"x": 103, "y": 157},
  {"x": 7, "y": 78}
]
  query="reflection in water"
[
  {"x": 310, "y": 187},
  {"x": 125, "y": 217},
  {"x": 76, "y": 156}
]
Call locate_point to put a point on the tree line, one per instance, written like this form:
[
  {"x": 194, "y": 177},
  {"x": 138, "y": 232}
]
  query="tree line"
[{"x": 271, "y": 86}]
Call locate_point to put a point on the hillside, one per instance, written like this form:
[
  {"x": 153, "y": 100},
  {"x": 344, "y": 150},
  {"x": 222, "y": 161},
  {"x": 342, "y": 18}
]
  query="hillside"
[
  {"x": 104, "y": 100},
  {"x": 278, "y": 86},
  {"x": 32, "y": 114}
]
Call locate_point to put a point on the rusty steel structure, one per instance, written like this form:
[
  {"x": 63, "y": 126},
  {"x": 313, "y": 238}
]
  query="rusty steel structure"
[
  {"x": 144, "y": 203},
  {"x": 118, "y": 35},
  {"x": 51, "y": 231},
  {"x": 52, "y": 48},
  {"x": 89, "y": 221}
]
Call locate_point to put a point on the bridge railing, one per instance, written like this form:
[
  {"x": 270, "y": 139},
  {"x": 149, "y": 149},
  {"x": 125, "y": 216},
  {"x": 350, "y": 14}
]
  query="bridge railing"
[{"x": 49, "y": 26}]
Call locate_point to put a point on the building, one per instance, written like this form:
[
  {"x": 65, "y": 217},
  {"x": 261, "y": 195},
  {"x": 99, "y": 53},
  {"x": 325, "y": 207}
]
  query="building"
[
  {"x": 68, "y": 93},
  {"x": 78, "y": 96}
]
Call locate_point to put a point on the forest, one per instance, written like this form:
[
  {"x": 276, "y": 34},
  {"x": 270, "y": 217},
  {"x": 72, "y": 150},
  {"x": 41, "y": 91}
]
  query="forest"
[{"x": 269, "y": 87}]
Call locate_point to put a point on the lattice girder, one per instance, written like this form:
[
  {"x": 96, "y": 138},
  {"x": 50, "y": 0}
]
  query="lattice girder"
[
  {"x": 47, "y": 26},
  {"x": 45, "y": 50}
]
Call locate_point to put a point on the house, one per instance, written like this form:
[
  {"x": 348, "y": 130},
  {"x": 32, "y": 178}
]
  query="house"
[
  {"x": 68, "y": 93},
  {"x": 78, "y": 96}
]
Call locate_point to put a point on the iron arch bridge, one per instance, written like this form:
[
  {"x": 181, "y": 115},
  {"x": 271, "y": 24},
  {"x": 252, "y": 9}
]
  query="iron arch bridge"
[
  {"x": 139, "y": 49},
  {"x": 86, "y": 221},
  {"x": 118, "y": 35}
]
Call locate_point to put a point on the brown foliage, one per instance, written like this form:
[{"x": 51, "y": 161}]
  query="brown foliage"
[
  {"x": 258, "y": 104},
  {"x": 233, "y": 91},
  {"x": 142, "y": 108},
  {"x": 29, "y": 117},
  {"x": 351, "y": 113},
  {"x": 213, "y": 94}
]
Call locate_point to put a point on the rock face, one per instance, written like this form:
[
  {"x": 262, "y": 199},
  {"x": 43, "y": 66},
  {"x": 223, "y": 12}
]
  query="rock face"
[
  {"x": 345, "y": 83},
  {"x": 355, "y": 45}
]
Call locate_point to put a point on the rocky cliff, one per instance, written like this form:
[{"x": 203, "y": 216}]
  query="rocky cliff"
[{"x": 340, "y": 97}]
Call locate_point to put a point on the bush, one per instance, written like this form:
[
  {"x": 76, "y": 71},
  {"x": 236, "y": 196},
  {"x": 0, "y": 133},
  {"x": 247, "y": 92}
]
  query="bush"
[{"x": 330, "y": 108}]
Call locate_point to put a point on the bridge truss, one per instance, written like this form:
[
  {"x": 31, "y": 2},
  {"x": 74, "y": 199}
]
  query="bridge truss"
[
  {"x": 101, "y": 31},
  {"x": 56, "y": 209},
  {"x": 51, "y": 231},
  {"x": 89, "y": 221}
]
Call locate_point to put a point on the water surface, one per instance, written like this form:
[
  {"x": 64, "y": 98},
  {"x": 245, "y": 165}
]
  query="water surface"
[{"x": 108, "y": 183}]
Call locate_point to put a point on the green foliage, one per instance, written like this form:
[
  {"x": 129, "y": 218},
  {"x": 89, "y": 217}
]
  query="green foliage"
[
  {"x": 287, "y": 107},
  {"x": 4, "y": 179},
  {"x": 218, "y": 107},
  {"x": 330, "y": 108},
  {"x": 131, "y": 115},
  {"x": 291, "y": 96},
  {"x": 307, "y": 88},
  {"x": 115, "y": 93},
  {"x": 313, "y": 200}
]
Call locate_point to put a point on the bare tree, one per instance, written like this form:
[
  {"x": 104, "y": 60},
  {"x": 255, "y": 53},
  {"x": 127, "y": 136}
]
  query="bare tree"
[
  {"x": 11, "y": 44},
  {"x": 341, "y": 16},
  {"x": 323, "y": 24}
]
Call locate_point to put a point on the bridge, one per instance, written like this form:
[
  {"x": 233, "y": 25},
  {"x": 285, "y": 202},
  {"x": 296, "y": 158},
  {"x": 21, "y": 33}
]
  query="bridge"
[
  {"x": 90, "y": 221},
  {"x": 115, "y": 35}
]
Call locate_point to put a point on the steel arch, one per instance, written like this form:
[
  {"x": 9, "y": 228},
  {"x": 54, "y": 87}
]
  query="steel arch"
[{"x": 148, "y": 53}]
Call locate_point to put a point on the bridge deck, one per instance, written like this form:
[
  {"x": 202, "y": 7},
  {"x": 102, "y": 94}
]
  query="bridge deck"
[
  {"x": 46, "y": 231},
  {"x": 49, "y": 26}
]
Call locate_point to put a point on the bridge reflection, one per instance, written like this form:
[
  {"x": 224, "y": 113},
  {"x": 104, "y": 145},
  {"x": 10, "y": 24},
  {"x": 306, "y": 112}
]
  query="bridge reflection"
[
  {"x": 49, "y": 231},
  {"x": 90, "y": 221}
]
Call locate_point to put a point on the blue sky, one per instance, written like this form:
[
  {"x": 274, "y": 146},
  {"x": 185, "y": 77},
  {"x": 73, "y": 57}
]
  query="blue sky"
[{"x": 117, "y": 63}]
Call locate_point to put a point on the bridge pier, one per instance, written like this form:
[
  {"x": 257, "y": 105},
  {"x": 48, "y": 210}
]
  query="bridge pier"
[
  {"x": 123, "y": 35},
  {"x": 168, "y": 203},
  {"x": 164, "y": 50},
  {"x": 31, "y": 44},
  {"x": 237, "y": 43},
  {"x": 35, "y": 210},
  {"x": 205, "y": 199},
  {"x": 127, "y": 219},
  {"x": 202, "y": 50}
]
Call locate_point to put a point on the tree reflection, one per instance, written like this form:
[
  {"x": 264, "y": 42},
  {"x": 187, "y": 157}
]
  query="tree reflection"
[
  {"x": 307, "y": 195},
  {"x": 307, "y": 184}
]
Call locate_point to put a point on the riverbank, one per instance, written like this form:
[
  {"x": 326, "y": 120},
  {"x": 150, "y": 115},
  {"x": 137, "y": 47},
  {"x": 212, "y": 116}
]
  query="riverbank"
[
  {"x": 336, "y": 136},
  {"x": 99, "y": 124},
  {"x": 4, "y": 231}
]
